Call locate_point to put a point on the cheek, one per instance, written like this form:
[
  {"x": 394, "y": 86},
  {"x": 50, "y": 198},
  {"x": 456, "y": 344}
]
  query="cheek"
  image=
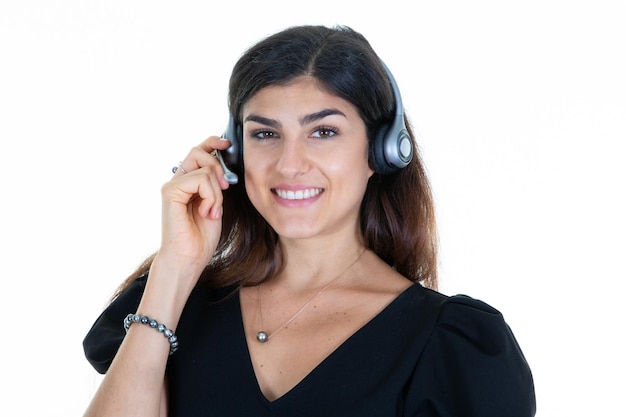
[
  {"x": 356, "y": 162},
  {"x": 350, "y": 175},
  {"x": 251, "y": 183},
  {"x": 255, "y": 178}
]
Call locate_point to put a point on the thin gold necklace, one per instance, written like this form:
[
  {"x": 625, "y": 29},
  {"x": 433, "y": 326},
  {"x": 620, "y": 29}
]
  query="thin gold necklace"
[{"x": 263, "y": 336}]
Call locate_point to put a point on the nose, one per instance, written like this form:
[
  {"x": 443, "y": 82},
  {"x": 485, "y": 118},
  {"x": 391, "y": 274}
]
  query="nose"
[{"x": 293, "y": 159}]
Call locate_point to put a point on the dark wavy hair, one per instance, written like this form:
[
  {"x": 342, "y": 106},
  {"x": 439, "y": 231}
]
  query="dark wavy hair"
[{"x": 397, "y": 216}]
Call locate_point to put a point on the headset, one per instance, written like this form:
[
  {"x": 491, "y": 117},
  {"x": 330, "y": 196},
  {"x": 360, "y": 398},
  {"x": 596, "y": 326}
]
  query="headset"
[{"x": 390, "y": 151}]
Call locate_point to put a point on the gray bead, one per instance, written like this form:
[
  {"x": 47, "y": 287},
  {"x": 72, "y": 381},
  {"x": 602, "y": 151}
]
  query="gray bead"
[{"x": 262, "y": 337}]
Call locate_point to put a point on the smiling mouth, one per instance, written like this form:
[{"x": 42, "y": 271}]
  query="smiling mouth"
[{"x": 299, "y": 194}]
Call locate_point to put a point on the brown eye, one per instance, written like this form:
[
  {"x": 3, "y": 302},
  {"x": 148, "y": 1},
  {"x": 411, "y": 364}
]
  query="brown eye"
[
  {"x": 264, "y": 134},
  {"x": 324, "y": 132}
]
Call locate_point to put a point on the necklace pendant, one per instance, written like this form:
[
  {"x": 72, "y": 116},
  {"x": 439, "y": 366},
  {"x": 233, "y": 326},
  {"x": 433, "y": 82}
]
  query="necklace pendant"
[{"x": 262, "y": 337}]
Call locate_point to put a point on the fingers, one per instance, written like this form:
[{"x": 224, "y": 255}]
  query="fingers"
[
  {"x": 210, "y": 194},
  {"x": 202, "y": 186},
  {"x": 202, "y": 155},
  {"x": 199, "y": 179}
]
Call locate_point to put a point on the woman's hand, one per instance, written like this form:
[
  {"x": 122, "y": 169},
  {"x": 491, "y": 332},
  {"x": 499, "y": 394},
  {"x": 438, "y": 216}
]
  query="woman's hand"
[{"x": 192, "y": 209}]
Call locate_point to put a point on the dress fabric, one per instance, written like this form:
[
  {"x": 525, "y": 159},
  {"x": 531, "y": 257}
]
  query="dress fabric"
[{"x": 424, "y": 355}]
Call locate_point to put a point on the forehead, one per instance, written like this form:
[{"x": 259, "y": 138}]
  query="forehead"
[{"x": 302, "y": 95}]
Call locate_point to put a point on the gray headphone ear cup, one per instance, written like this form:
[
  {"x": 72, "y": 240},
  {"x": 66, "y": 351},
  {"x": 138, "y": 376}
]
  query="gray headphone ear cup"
[
  {"x": 398, "y": 146},
  {"x": 238, "y": 163},
  {"x": 391, "y": 149},
  {"x": 377, "y": 158},
  {"x": 233, "y": 156}
]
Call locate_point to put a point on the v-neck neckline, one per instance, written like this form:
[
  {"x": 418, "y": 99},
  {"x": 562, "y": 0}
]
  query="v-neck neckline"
[{"x": 241, "y": 335}]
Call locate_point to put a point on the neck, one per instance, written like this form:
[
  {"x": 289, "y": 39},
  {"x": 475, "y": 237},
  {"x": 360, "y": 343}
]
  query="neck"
[{"x": 310, "y": 265}]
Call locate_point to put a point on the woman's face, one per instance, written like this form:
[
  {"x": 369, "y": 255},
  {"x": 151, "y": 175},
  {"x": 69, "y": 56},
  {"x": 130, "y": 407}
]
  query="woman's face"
[{"x": 306, "y": 159}]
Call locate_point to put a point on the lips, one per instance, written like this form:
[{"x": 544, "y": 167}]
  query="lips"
[{"x": 297, "y": 194}]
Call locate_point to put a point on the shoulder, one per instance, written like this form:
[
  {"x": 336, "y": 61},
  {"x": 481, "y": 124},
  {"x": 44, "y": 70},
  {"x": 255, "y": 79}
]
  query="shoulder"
[
  {"x": 462, "y": 315},
  {"x": 470, "y": 325},
  {"x": 472, "y": 364},
  {"x": 474, "y": 321}
]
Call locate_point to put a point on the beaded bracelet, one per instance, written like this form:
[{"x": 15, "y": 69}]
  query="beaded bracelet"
[{"x": 169, "y": 334}]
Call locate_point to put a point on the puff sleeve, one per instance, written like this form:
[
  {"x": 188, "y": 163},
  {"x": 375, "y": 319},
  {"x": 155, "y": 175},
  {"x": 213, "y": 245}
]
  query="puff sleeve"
[
  {"x": 106, "y": 334},
  {"x": 472, "y": 366}
]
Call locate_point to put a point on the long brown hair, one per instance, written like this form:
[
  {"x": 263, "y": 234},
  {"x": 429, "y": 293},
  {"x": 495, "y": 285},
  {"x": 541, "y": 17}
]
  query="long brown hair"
[{"x": 397, "y": 215}]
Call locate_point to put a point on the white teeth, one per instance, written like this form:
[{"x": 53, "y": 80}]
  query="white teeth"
[{"x": 298, "y": 195}]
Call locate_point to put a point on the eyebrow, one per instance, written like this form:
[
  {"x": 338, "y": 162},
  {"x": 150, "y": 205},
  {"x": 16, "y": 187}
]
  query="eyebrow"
[{"x": 309, "y": 118}]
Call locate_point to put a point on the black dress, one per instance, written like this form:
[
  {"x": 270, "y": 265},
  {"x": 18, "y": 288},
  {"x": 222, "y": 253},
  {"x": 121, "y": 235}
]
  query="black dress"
[{"x": 424, "y": 355}]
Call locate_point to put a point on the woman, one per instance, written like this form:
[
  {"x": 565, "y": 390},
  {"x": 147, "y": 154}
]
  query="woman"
[{"x": 308, "y": 288}]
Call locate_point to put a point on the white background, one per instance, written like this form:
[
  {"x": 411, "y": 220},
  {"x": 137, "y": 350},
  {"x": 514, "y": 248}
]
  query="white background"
[{"x": 520, "y": 108}]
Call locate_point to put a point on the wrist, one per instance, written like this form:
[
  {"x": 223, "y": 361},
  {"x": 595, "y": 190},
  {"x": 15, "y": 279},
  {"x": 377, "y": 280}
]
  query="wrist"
[
  {"x": 169, "y": 335},
  {"x": 167, "y": 289}
]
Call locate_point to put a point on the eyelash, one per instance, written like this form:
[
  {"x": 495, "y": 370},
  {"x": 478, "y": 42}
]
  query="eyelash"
[
  {"x": 265, "y": 134},
  {"x": 330, "y": 132}
]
